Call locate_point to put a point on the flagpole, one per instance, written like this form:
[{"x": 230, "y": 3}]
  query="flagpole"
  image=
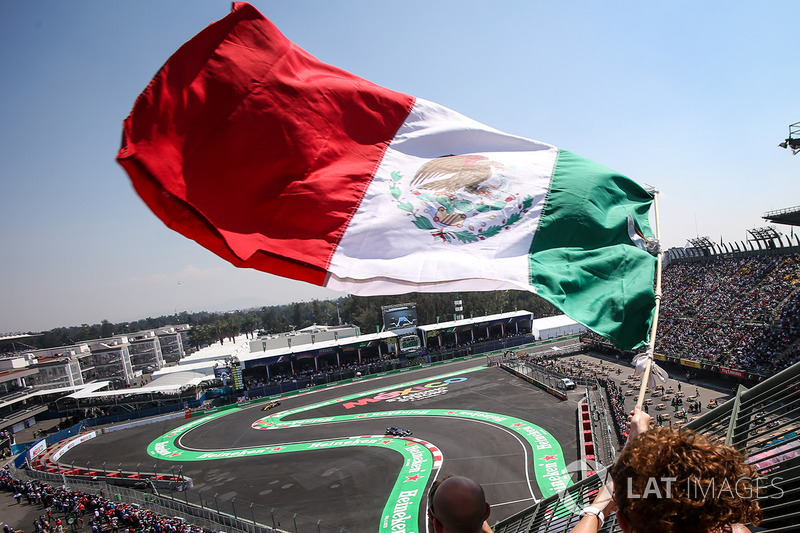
[{"x": 652, "y": 342}]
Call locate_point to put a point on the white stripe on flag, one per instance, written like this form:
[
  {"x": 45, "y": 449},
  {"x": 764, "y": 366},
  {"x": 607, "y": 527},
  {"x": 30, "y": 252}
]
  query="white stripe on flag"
[{"x": 443, "y": 229}]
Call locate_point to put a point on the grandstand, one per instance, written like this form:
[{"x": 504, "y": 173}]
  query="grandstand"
[
  {"x": 734, "y": 313},
  {"x": 789, "y": 215}
]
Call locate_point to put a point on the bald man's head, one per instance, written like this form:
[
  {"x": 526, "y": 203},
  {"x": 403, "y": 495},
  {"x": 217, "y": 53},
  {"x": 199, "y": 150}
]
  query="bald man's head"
[{"x": 459, "y": 506}]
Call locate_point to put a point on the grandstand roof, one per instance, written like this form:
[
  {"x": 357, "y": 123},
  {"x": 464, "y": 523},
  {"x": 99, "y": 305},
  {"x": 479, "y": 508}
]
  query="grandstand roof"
[
  {"x": 555, "y": 321},
  {"x": 18, "y": 336},
  {"x": 475, "y": 320},
  {"x": 179, "y": 383},
  {"x": 93, "y": 386},
  {"x": 16, "y": 373},
  {"x": 789, "y": 216}
]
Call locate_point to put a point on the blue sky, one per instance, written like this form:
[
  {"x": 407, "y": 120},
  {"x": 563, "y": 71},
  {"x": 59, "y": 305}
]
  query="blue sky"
[{"x": 692, "y": 97}]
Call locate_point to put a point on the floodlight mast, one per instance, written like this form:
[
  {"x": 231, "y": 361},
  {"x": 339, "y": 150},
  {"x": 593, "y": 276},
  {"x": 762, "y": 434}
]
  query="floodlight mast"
[
  {"x": 701, "y": 242},
  {"x": 792, "y": 142},
  {"x": 768, "y": 235}
]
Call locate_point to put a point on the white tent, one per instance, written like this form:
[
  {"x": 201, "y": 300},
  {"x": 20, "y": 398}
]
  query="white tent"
[{"x": 556, "y": 326}]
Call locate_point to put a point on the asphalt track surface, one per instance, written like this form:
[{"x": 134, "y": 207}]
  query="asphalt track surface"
[{"x": 349, "y": 486}]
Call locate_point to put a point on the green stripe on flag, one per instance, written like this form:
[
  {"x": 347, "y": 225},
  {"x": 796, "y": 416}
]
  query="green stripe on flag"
[{"x": 582, "y": 258}]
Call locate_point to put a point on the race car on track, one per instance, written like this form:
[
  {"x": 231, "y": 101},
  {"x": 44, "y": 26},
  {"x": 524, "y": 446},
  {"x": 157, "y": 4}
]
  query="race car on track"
[
  {"x": 270, "y": 405},
  {"x": 397, "y": 432}
]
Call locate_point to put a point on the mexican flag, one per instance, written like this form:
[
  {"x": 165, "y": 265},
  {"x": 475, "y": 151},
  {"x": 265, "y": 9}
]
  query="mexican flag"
[{"x": 276, "y": 161}]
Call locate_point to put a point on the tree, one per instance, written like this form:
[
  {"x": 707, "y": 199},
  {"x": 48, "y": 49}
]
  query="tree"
[
  {"x": 316, "y": 312},
  {"x": 248, "y": 324},
  {"x": 364, "y": 312},
  {"x": 106, "y": 329},
  {"x": 297, "y": 315}
]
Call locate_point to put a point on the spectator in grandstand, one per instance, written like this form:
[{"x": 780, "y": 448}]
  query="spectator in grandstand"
[
  {"x": 671, "y": 481},
  {"x": 458, "y": 505}
]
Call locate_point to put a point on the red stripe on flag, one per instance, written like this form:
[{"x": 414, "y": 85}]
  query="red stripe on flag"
[{"x": 255, "y": 149}]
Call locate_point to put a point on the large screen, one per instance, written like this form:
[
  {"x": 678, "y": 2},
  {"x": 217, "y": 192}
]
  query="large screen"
[
  {"x": 400, "y": 317},
  {"x": 409, "y": 343},
  {"x": 222, "y": 372}
]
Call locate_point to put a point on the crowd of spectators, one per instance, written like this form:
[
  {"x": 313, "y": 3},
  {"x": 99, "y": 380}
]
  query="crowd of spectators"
[
  {"x": 433, "y": 346},
  {"x": 616, "y": 403},
  {"x": 738, "y": 312},
  {"x": 90, "y": 512}
]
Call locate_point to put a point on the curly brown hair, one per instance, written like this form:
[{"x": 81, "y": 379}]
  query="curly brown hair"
[{"x": 669, "y": 481}]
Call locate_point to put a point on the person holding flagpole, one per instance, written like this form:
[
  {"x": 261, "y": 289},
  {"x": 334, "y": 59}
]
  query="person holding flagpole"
[{"x": 674, "y": 481}]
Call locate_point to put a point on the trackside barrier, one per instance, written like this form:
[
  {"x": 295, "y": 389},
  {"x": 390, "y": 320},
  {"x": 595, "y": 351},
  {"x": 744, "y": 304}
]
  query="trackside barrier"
[
  {"x": 205, "y": 509},
  {"x": 144, "y": 422},
  {"x": 534, "y": 381},
  {"x": 586, "y": 447},
  {"x": 296, "y": 392}
]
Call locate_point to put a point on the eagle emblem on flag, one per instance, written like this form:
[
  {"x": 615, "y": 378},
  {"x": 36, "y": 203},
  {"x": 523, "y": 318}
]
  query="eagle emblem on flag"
[
  {"x": 452, "y": 173},
  {"x": 461, "y": 199}
]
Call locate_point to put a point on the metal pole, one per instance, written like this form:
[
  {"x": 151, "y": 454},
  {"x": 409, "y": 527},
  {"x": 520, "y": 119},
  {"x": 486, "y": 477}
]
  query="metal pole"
[
  {"x": 252, "y": 514},
  {"x": 654, "y": 327},
  {"x": 233, "y": 507},
  {"x": 216, "y": 502}
]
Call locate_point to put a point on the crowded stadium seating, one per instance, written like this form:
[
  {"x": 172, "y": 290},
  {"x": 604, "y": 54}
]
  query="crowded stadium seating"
[{"x": 736, "y": 312}]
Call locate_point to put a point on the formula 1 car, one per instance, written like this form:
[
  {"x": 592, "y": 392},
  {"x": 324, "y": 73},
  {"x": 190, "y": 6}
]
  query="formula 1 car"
[
  {"x": 397, "y": 432},
  {"x": 270, "y": 405}
]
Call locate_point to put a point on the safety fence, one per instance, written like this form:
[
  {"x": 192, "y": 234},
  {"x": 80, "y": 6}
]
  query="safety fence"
[{"x": 545, "y": 378}]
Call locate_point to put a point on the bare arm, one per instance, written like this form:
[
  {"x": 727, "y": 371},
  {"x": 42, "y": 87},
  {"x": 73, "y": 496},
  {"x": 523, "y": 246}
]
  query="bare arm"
[
  {"x": 603, "y": 501},
  {"x": 638, "y": 423}
]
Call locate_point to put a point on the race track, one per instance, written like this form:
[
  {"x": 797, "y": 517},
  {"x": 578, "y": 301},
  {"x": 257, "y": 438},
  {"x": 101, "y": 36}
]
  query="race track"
[{"x": 324, "y": 454}]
